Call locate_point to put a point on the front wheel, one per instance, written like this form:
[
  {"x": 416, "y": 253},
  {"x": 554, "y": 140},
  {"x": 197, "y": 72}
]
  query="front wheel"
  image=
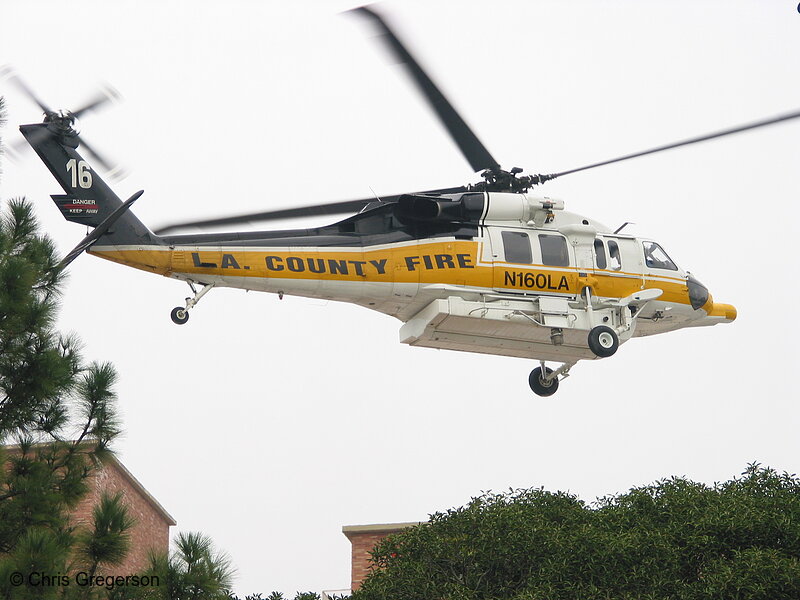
[
  {"x": 603, "y": 341},
  {"x": 179, "y": 315},
  {"x": 538, "y": 384}
]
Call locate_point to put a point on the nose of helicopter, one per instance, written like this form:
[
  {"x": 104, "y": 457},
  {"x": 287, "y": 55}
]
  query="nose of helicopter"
[
  {"x": 715, "y": 312},
  {"x": 701, "y": 298},
  {"x": 721, "y": 313}
]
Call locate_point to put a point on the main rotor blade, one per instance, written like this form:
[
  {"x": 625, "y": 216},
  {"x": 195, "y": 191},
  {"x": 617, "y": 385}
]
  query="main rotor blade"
[
  {"x": 7, "y": 72},
  {"x": 99, "y": 158},
  {"x": 337, "y": 208},
  {"x": 471, "y": 147},
  {"x": 702, "y": 138},
  {"x": 107, "y": 94},
  {"x": 314, "y": 210}
]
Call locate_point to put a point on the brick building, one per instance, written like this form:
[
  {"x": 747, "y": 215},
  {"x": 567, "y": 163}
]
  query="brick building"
[
  {"x": 151, "y": 530},
  {"x": 363, "y": 539}
]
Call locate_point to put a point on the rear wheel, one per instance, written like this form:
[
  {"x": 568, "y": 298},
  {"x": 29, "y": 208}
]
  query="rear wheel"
[
  {"x": 538, "y": 384},
  {"x": 603, "y": 341},
  {"x": 179, "y": 315}
]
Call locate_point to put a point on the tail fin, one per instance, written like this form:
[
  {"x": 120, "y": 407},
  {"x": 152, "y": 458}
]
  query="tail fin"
[{"x": 88, "y": 199}]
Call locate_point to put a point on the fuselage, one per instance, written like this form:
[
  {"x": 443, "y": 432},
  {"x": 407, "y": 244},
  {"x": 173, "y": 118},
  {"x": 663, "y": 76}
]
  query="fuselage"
[{"x": 517, "y": 248}]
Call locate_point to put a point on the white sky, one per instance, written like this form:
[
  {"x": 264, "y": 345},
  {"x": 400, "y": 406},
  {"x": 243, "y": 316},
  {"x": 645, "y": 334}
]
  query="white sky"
[{"x": 269, "y": 424}]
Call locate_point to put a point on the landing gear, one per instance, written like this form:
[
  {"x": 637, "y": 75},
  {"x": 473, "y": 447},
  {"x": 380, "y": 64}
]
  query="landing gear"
[
  {"x": 543, "y": 386},
  {"x": 180, "y": 315},
  {"x": 603, "y": 341},
  {"x": 544, "y": 380}
]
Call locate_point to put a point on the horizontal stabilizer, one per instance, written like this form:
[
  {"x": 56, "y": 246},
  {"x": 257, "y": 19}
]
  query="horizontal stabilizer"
[{"x": 97, "y": 231}]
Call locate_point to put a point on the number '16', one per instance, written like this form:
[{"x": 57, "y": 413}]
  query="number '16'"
[{"x": 81, "y": 173}]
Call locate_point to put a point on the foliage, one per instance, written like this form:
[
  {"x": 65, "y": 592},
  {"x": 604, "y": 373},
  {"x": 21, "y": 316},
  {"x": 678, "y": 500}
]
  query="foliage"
[
  {"x": 108, "y": 541},
  {"x": 674, "y": 539},
  {"x": 280, "y": 596},
  {"x": 57, "y": 410},
  {"x": 193, "y": 571}
]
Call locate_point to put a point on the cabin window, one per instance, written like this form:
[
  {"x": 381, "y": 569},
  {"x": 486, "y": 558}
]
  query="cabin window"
[
  {"x": 517, "y": 247},
  {"x": 600, "y": 254},
  {"x": 656, "y": 258},
  {"x": 613, "y": 256},
  {"x": 554, "y": 250}
]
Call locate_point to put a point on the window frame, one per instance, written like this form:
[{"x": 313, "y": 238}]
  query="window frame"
[{"x": 668, "y": 265}]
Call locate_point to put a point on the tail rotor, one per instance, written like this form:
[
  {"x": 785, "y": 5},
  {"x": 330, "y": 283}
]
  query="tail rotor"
[{"x": 62, "y": 122}]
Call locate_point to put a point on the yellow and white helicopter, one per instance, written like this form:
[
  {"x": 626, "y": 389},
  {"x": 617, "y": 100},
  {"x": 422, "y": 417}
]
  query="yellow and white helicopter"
[{"x": 489, "y": 268}]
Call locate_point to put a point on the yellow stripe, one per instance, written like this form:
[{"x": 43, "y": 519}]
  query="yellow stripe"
[{"x": 366, "y": 265}]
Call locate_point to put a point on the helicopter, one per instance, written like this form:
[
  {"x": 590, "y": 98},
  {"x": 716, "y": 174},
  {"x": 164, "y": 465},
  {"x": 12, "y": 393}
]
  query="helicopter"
[{"x": 488, "y": 267}]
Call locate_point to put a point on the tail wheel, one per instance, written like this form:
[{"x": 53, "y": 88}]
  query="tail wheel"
[
  {"x": 179, "y": 315},
  {"x": 539, "y": 385},
  {"x": 603, "y": 341}
]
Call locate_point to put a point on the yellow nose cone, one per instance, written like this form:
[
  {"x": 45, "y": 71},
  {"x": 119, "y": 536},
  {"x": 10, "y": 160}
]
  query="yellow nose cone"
[{"x": 726, "y": 311}]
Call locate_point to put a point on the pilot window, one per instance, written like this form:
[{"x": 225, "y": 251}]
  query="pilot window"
[
  {"x": 600, "y": 254},
  {"x": 656, "y": 258},
  {"x": 614, "y": 261},
  {"x": 554, "y": 250},
  {"x": 517, "y": 247}
]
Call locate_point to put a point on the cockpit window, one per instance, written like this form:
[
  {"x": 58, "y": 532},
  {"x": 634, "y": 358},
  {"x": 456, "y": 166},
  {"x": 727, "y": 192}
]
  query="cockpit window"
[{"x": 656, "y": 258}]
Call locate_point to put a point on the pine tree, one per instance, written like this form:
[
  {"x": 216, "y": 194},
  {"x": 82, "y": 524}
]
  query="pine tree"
[{"x": 193, "y": 571}]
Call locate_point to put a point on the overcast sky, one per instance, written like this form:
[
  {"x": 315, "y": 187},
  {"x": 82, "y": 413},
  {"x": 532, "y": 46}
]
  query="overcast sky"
[{"x": 269, "y": 424}]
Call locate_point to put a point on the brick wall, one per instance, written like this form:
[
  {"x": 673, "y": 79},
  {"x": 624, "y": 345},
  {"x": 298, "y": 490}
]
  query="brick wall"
[
  {"x": 363, "y": 539},
  {"x": 151, "y": 530}
]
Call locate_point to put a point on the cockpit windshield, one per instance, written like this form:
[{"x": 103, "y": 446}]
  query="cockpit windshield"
[{"x": 656, "y": 258}]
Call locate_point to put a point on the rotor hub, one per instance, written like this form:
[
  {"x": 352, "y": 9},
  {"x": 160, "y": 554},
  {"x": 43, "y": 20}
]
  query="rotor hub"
[
  {"x": 62, "y": 121},
  {"x": 500, "y": 180}
]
